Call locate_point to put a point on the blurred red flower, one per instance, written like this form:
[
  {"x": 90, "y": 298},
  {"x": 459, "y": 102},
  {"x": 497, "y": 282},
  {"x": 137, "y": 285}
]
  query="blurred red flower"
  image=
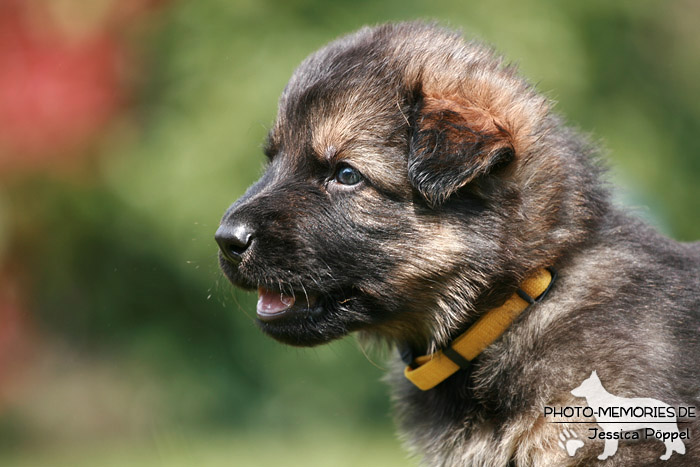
[{"x": 59, "y": 83}]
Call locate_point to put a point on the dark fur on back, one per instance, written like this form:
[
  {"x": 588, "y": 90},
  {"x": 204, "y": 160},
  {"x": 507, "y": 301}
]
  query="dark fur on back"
[{"x": 469, "y": 184}]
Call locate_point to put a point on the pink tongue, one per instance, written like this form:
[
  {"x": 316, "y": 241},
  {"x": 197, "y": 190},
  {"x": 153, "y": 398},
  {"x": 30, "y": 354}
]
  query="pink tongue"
[{"x": 272, "y": 303}]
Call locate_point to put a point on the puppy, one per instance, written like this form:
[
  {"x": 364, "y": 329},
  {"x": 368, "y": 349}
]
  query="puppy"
[{"x": 421, "y": 193}]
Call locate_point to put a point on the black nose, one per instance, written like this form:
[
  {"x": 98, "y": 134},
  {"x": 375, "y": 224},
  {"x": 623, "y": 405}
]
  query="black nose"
[{"x": 234, "y": 240}]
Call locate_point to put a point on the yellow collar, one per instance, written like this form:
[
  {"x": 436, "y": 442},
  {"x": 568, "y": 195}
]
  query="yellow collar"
[{"x": 428, "y": 371}]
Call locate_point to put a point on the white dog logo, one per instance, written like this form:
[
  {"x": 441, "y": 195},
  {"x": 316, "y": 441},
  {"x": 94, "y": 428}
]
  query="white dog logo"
[{"x": 598, "y": 398}]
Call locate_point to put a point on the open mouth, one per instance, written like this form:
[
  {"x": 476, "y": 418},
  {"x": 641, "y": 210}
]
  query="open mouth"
[{"x": 274, "y": 305}]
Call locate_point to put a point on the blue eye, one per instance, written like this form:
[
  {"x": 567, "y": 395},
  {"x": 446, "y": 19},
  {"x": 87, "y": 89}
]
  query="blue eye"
[{"x": 347, "y": 175}]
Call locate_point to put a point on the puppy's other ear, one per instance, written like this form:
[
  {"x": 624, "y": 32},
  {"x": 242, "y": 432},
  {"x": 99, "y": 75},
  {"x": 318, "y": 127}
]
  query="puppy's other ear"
[{"x": 451, "y": 145}]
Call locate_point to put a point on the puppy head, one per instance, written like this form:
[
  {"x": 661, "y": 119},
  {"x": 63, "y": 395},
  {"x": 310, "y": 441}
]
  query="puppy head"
[{"x": 408, "y": 173}]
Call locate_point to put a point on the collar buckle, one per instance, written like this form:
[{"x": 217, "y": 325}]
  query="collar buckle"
[{"x": 524, "y": 295}]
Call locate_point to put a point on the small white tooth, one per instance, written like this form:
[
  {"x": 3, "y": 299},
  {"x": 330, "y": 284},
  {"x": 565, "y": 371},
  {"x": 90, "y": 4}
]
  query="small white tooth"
[{"x": 287, "y": 299}]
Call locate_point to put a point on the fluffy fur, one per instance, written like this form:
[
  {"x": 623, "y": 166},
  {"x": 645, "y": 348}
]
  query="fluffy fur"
[{"x": 468, "y": 184}]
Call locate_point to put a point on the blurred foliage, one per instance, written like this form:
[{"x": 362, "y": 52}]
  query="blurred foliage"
[
  {"x": 120, "y": 260},
  {"x": 332, "y": 447}
]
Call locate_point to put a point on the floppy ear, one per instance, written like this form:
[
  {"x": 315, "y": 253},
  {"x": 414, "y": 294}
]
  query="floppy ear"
[{"x": 451, "y": 145}]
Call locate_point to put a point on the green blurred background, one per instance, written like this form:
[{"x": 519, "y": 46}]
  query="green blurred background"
[{"x": 126, "y": 129}]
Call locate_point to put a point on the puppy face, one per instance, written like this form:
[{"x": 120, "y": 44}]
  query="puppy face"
[{"x": 393, "y": 195}]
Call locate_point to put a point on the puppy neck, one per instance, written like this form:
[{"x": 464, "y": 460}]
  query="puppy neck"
[{"x": 427, "y": 371}]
